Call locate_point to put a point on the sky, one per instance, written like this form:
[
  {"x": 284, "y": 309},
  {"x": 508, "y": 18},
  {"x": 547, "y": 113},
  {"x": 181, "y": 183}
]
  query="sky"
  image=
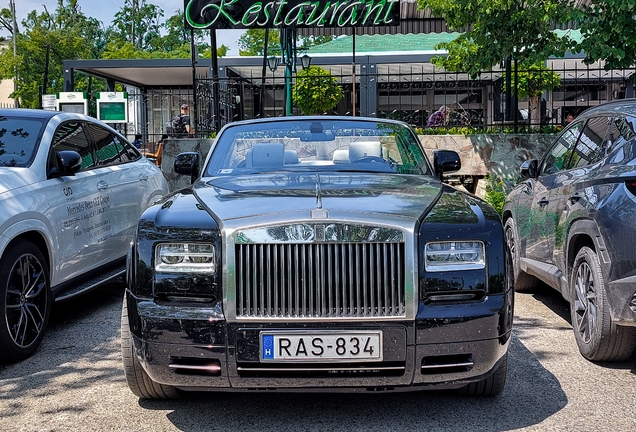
[{"x": 105, "y": 10}]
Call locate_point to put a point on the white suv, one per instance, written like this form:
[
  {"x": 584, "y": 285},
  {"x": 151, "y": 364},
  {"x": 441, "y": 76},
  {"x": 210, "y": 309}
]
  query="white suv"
[{"x": 71, "y": 193}]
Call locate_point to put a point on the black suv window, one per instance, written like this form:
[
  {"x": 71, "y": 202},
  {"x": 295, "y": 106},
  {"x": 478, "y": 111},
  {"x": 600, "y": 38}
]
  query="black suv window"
[
  {"x": 559, "y": 156},
  {"x": 110, "y": 150},
  {"x": 71, "y": 136},
  {"x": 592, "y": 142}
]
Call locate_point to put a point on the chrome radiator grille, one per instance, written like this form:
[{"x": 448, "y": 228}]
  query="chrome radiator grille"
[{"x": 320, "y": 280}]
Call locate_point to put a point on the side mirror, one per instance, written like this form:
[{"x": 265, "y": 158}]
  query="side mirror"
[
  {"x": 445, "y": 161},
  {"x": 529, "y": 169},
  {"x": 65, "y": 163},
  {"x": 187, "y": 163}
]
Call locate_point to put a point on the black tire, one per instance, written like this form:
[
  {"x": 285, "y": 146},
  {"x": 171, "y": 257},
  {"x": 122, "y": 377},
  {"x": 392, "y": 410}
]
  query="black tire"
[
  {"x": 138, "y": 380},
  {"x": 598, "y": 338},
  {"x": 25, "y": 301},
  {"x": 523, "y": 282},
  {"x": 491, "y": 386}
]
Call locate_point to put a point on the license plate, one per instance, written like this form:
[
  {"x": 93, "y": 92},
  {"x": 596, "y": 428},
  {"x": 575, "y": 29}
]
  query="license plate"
[{"x": 321, "y": 346}]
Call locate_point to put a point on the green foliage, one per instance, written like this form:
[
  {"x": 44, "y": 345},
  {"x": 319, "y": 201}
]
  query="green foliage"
[
  {"x": 137, "y": 23},
  {"x": 534, "y": 79},
  {"x": 609, "y": 32},
  {"x": 496, "y": 29},
  {"x": 316, "y": 91},
  {"x": 496, "y": 191},
  {"x": 464, "y": 130},
  {"x": 252, "y": 42},
  {"x": 68, "y": 34}
]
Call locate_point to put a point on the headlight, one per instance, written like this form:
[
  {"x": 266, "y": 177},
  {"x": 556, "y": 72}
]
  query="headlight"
[
  {"x": 467, "y": 255},
  {"x": 185, "y": 258}
]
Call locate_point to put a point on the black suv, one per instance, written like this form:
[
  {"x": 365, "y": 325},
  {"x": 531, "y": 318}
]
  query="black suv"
[{"x": 571, "y": 223}]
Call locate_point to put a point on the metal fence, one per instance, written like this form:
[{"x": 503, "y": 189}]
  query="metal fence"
[
  {"x": 412, "y": 93},
  {"x": 406, "y": 92}
]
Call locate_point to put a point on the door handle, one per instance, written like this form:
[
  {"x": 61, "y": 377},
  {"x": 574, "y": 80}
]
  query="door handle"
[
  {"x": 143, "y": 177},
  {"x": 102, "y": 185},
  {"x": 544, "y": 202}
]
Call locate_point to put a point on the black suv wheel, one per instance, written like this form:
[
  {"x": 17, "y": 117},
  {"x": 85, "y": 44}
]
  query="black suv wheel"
[{"x": 598, "y": 338}]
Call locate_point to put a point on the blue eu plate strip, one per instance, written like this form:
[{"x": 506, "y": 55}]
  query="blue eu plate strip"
[{"x": 268, "y": 346}]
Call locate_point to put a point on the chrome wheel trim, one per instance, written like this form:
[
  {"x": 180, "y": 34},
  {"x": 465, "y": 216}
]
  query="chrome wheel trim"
[
  {"x": 585, "y": 311},
  {"x": 26, "y": 300}
]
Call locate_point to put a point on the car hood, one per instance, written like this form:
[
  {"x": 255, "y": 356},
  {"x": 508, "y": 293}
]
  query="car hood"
[{"x": 246, "y": 196}]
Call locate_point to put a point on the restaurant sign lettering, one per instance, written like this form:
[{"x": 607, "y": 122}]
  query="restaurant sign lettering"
[{"x": 245, "y": 14}]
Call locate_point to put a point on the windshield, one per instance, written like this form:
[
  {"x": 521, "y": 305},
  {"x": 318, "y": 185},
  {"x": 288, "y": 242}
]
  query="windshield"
[
  {"x": 312, "y": 145},
  {"x": 18, "y": 140}
]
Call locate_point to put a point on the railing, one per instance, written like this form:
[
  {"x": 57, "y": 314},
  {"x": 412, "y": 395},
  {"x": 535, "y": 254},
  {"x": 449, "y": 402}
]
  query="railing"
[
  {"x": 412, "y": 93},
  {"x": 408, "y": 92}
]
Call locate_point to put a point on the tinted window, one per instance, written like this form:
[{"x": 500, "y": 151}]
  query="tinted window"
[
  {"x": 71, "y": 136},
  {"x": 110, "y": 149},
  {"x": 18, "y": 140},
  {"x": 559, "y": 156},
  {"x": 591, "y": 145}
]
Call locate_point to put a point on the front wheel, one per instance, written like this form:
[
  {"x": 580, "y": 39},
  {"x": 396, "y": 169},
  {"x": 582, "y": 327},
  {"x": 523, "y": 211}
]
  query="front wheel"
[
  {"x": 598, "y": 338},
  {"x": 523, "y": 282},
  {"x": 138, "y": 380},
  {"x": 25, "y": 301}
]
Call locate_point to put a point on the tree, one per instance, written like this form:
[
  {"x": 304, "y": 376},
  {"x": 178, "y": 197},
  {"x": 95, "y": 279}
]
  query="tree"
[
  {"x": 138, "y": 23},
  {"x": 316, "y": 91},
  {"x": 174, "y": 44},
  {"x": 6, "y": 20},
  {"x": 252, "y": 42},
  {"x": 65, "y": 34},
  {"x": 608, "y": 29},
  {"x": 497, "y": 29},
  {"x": 532, "y": 81}
]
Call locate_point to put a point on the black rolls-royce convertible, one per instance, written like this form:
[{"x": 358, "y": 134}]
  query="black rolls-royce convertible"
[{"x": 317, "y": 254}]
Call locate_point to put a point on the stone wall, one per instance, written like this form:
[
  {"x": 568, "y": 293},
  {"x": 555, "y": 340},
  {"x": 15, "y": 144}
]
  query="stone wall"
[
  {"x": 501, "y": 155},
  {"x": 171, "y": 148}
]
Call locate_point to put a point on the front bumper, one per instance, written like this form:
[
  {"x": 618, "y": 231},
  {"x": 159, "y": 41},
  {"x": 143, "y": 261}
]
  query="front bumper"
[{"x": 445, "y": 347}]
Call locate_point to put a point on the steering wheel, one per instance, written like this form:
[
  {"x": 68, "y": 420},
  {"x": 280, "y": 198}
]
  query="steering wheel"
[{"x": 365, "y": 159}]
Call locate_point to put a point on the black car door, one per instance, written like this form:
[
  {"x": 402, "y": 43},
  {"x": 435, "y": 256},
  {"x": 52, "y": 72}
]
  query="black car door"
[
  {"x": 542, "y": 220},
  {"x": 569, "y": 190}
]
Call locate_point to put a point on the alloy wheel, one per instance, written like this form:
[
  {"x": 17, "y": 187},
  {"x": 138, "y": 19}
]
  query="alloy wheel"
[
  {"x": 26, "y": 300},
  {"x": 585, "y": 302},
  {"x": 510, "y": 242}
]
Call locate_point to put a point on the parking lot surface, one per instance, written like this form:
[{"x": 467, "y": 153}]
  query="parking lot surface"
[{"x": 76, "y": 382}]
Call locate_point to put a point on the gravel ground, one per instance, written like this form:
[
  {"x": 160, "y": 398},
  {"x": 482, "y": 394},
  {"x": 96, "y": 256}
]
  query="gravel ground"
[{"x": 75, "y": 382}]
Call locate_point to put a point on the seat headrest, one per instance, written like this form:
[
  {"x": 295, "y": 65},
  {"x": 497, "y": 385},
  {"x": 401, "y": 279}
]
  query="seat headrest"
[
  {"x": 360, "y": 149},
  {"x": 265, "y": 154},
  {"x": 340, "y": 156}
]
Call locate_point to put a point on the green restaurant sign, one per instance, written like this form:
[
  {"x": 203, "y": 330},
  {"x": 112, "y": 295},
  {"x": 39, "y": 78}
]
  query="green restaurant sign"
[{"x": 244, "y": 14}]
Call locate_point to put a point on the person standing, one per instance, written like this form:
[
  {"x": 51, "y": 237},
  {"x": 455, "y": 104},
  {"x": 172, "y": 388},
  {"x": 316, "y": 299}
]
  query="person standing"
[{"x": 185, "y": 119}]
